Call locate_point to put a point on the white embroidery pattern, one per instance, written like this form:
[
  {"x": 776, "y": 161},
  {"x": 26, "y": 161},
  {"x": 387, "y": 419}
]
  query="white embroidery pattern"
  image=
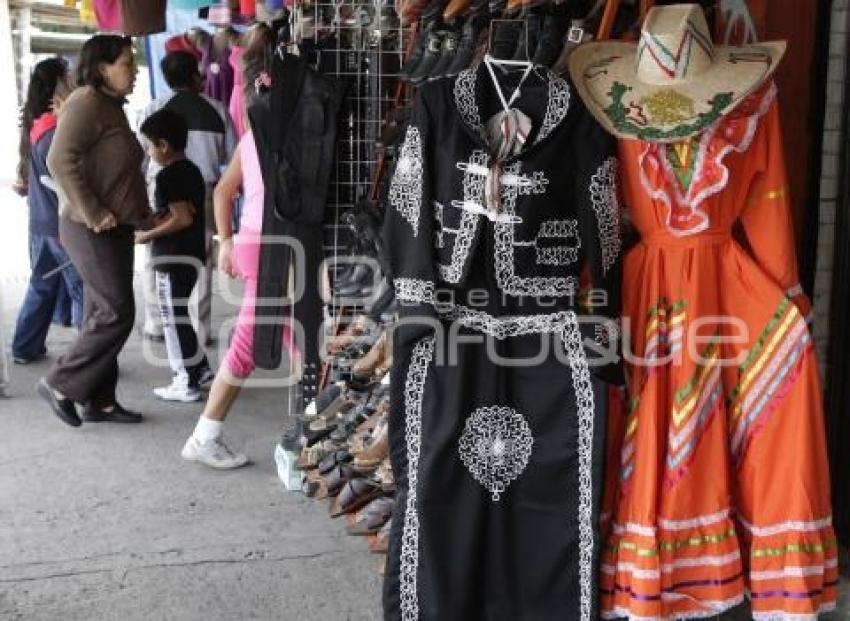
[
  {"x": 584, "y": 402},
  {"x": 557, "y": 255},
  {"x": 464, "y": 92},
  {"x": 495, "y": 447},
  {"x": 509, "y": 325},
  {"x": 508, "y": 281},
  {"x": 603, "y": 197},
  {"x": 473, "y": 190},
  {"x": 414, "y": 388},
  {"x": 556, "y": 108},
  {"x": 406, "y": 185},
  {"x": 414, "y": 290}
]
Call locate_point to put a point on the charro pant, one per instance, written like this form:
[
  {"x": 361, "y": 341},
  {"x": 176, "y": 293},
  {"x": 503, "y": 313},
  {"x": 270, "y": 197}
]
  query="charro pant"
[{"x": 88, "y": 370}]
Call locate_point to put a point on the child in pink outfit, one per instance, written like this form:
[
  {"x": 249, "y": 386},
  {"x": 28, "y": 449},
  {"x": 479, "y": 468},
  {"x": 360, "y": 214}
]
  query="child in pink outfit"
[{"x": 236, "y": 258}]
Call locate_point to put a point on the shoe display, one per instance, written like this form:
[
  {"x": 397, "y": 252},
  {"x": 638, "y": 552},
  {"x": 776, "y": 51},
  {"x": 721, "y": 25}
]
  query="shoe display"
[
  {"x": 215, "y": 454},
  {"x": 448, "y": 54},
  {"x": 178, "y": 391},
  {"x": 466, "y": 46},
  {"x": 551, "y": 41},
  {"x": 430, "y": 57}
]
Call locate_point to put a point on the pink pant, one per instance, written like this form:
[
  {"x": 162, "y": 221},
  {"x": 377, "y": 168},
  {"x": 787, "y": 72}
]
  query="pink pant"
[{"x": 240, "y": 355}]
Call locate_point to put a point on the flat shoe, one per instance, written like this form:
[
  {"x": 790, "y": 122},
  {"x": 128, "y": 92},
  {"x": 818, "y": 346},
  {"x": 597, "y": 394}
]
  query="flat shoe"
[
  {"x": 117, "y": 414},
  {"x": 355, "y": 494},
  {"x": 63, "y": 408}
]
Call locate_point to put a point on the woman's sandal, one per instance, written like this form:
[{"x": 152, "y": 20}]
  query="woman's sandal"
[
  {"x": 372, "y": 517},
  {"x": 355, "y": 494}
]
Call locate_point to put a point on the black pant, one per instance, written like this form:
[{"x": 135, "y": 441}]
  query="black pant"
[
  {"x": 174, "y": 286},
  {"x": 88, "y": 370}
]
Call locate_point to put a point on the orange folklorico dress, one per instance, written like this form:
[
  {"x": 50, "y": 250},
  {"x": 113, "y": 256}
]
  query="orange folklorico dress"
[{"x": 723, "y": 483}]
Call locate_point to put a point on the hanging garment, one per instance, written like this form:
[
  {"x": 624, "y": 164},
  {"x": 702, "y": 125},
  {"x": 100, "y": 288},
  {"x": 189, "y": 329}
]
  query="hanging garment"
[
  {"x": 217, "y": 70},
  {"x": 723, "y": 484},
  {"x": 87, "y": 13},
  {"x": 295, "y": 128},
  {"x": 191, "y": 5},
  {"x": 108, "y": 14},
  {"x": 143, "y": 18},
  {"x": 498, "y": 464},
  {"x": 247, "y": 8}
]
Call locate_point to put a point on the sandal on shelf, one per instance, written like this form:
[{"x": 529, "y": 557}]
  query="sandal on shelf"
[
  {"x": 311, "y": 457},
  {"x": 377, "y": 451},
  {"x": 380, "y": 542},
  {"x": 355, "y": 494},
  {"x": 373, "y": 517},
  {"x": 384, "y": 475},
  {"x": 314, "y": 486},
  {"x": 334, "y": 459},
  {"x": 338, "y": 477}
]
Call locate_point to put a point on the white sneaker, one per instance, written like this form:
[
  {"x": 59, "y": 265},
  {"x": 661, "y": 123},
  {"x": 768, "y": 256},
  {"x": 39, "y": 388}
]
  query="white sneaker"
[
  {"x": 177, "y": 392},
  {"x": 214, "y": 454}
]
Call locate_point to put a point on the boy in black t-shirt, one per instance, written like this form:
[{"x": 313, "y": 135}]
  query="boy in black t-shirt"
[{"x": 178, "y": 248}]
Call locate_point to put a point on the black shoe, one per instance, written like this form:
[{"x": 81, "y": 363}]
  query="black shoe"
[
  {"x": 430, "y": 58},
  {"x": 63, "y": 408},
  {"x": 528, "y": 37},
  {"x": 117, "y": 414},
  {"x": 504, "y": 39},
  {"x": 465, "y": 47},
  {"x": 448, "y": 54},
  {"x": 551, "y": 42},
  {"x": 415, "y": 57}
]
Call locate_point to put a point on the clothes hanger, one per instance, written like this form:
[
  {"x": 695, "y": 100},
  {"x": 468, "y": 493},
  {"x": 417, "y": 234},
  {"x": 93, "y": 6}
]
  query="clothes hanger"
[
  {"x": 456, "y": 9},
  {"x": 610, "y": 15},
  {"x": 520, "y": 6}
]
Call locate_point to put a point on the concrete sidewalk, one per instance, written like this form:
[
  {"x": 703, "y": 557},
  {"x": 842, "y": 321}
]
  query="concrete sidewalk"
[{"x": 106, "y": 521}]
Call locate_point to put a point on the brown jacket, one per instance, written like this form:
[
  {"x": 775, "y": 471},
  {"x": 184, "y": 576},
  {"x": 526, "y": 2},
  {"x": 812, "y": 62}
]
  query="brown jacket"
[{"x": 96, "y": 161}]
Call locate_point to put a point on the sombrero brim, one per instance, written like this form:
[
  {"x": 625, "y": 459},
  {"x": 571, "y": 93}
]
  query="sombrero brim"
[{"x": 604, "y": 74}]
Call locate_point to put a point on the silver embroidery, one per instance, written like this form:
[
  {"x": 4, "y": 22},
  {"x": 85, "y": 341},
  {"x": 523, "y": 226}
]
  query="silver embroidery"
[
  {"x": 473, "y": 190},
  {"x": 556, "y": 108},
  {"x": 507, "y": 326},
  {"x": 603, "y": 197},
  {"x": 414, "y": 388},
  {"x": 414, "y": 290},
  {"x": 495, "y": 447},
  {"x": 557, "y": 255},
  {"x": 406, "y": 185},
  {"x": 504, "y": 234},
  {"x": 584, "y": 402},
  {"x": 464, "y": 92}
]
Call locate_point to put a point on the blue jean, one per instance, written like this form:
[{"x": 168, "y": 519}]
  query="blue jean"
[{"x": 46, "y": 257}]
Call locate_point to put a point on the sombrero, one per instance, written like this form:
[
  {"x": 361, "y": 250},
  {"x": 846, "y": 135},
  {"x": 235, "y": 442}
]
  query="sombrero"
[{"x": 674, "y": 82}]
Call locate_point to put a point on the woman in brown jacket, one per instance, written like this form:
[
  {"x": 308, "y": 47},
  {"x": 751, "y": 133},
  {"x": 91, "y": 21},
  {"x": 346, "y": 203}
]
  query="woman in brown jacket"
[{"x": 96, "y": 162}]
